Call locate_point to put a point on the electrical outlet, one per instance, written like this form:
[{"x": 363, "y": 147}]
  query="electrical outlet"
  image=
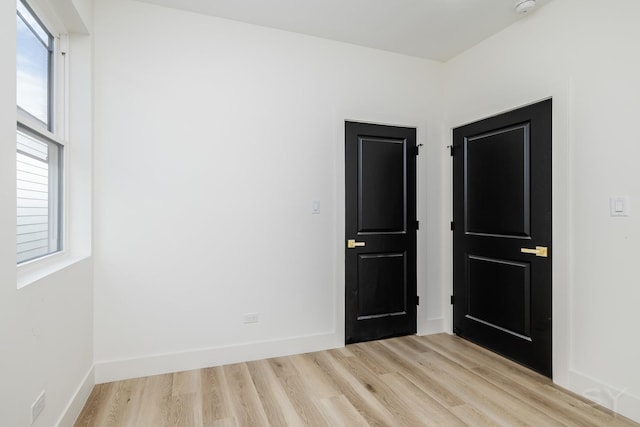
[
  {"x": 38, "y": 406},
  {"x": 251, "y": 318}
]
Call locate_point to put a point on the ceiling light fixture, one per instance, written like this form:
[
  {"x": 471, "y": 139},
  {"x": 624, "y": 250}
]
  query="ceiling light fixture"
[{"x": 524, "y": 6}]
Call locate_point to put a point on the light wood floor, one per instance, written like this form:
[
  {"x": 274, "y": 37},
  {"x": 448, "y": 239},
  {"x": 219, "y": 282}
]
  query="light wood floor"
[{"x": 410, "y": 381}]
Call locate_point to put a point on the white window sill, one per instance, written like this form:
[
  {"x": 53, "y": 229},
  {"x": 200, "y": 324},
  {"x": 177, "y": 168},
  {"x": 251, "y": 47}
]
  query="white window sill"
[{"x": 32, "y": 271}]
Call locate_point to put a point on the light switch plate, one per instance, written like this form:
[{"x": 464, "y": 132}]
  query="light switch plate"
[{"x": 619, "y": 206}]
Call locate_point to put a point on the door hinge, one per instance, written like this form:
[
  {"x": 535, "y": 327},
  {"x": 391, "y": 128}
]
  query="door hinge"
[
  {"x": 417, "y": 149},
  {"x": 417, "y": 225},
  {"x": 417, "y": 299},
  {"x": 453, "y": 299},
  {"x": 452, "y": 226}
]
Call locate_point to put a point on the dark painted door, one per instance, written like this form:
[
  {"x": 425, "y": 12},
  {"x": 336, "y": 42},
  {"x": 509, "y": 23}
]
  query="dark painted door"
[
  {"x": 502, "y": 234},
  {"x": 380, "y": 261}
]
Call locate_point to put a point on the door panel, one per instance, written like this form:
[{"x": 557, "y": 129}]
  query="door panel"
[
  {"x": 491, "y": 283},
  {"x": 382, "y": 285},
  {"x": 502, "y": 205},
  {"x": 497, "y": 174},
  {"x": 380, "y": 282},
  {"x": 381, "y": 189}
]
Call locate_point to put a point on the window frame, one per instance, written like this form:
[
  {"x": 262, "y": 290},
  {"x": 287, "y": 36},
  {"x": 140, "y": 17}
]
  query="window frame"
[{"x": 53, "y": 132}]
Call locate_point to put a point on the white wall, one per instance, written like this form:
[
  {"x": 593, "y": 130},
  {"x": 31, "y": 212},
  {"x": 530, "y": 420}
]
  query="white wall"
[
  {"x": 585, "y": 55},
  {"x": 46, "y": 327},
  {"x": 212, "y": 139}
]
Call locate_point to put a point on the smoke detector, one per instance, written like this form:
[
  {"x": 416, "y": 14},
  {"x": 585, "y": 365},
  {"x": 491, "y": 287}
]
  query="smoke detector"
[{"x": 524, "y": 6}]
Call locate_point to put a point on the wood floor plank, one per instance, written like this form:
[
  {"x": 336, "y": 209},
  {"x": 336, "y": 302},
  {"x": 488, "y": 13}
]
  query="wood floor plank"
[
  {"x": 470, "y": 356},
  {"x": 216, "y": 397},
  {"x": 471, "y": 416},
  {"x": 185, "y": 410},
  {"x": 186, "y": 382},
  {"x": 346, "y": 351},
  {"x": 313, "y": 378},
  {"x": 413, "y": 342},
  {"x": 341, "y": 413},
  {"x": 408, "y": 365},
  {"x": 425, "y": 408},
  {"x": 521, "y": 378},
  {"x": 598, "y": 415},
  {"x": 299, "y": 397},
  {"x": 277, "y": 406},
  {"x": 124, "y": 401},
  {"x": 407, "y": 381},
  {"x": 96, "y": 406},
  {"x": 536, "y": 396},
  {"x": 357, "y": 394},
  {"x": 376, "y": 385},
  {"x": 368, "y": 358},
  {"x": 485, "y": 396},
  {"x": 224, "y": 422},
  {"x": 154, "y": 409},
  {"x": 247, "y": 408}
]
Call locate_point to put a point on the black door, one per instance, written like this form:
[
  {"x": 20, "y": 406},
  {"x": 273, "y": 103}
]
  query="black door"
[
  {"x": 380, "y": 261},
  {"x": 502, "y": 234}
]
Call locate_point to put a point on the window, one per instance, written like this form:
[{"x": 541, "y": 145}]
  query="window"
[{"x": 39, "y": 156}]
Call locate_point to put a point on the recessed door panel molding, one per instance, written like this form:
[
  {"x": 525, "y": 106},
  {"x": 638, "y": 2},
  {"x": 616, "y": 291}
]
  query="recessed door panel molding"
[
  {"x": 491, "y": 283},
  {"x": 382, "y": 187},
  {"x": 382, "y": 285},
  {"x": 497, "y": 182}
]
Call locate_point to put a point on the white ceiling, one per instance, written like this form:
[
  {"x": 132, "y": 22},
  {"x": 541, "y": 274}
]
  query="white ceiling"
[{"x": 433, "y": 29}]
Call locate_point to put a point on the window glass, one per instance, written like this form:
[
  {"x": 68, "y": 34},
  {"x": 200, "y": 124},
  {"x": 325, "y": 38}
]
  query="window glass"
[
  {"x": 38, "y": 205},
  {"x": 34, "y": 46}
]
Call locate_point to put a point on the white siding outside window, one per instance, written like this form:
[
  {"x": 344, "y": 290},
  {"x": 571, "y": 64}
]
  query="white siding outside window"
[{"x": 38, "y": 209}]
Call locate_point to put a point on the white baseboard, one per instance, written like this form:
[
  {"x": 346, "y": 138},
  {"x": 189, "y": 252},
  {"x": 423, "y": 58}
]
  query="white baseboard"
[
  {"x": 432, "y": 326},
  {"x": 78, "y": 400},
  {"x": 616, "y": 399},
  {"x": 115, "y": 370}
]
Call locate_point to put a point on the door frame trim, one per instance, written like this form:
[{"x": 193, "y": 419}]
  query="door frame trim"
[
  {"x": 340, "y": 300},
  {"x": 561, "y": 169}
]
